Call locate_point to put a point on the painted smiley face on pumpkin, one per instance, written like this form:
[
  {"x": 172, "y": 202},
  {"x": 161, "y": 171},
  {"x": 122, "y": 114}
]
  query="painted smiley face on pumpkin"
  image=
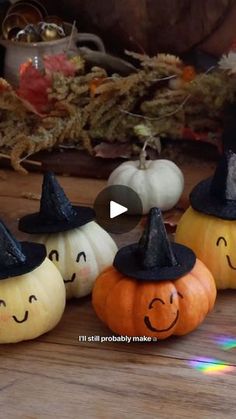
[
  {"x": 80, "y": 255},
  {"x": 213, "y": 240},
  {"x": 222, "y": 241},
  {"x": 157, "y": 305},
  {"x": 31, "y": 304},
  {"x": 54, "y": 257},
  {"x": 19, "y": 320},
  {"x": 160, "y": 309}
]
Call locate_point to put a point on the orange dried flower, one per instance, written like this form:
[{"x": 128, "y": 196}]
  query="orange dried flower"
[
  {"x": 94, "y": 84},
  {"x": 189, "y": 73}
]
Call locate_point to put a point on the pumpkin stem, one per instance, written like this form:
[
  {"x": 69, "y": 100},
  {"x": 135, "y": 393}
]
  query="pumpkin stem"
[
  {"x": 144, "y": 132},
  {"x": 154, "y": 246},
  {"x": 143, "y": 156},
  {"x": 11, "y": 253},
  {"x": 54, "y": 204}
]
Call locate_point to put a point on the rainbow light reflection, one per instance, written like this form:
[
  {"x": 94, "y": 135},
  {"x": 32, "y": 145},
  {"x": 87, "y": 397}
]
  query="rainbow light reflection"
[
  {"x": 210, "y": 366},
  {"x": 226, "y": 342}
]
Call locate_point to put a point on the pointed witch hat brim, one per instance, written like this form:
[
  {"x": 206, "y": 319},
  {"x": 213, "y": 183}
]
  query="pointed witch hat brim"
[
  {"x": 56, "y": 213},
  {"x": 216, "y": 196},
  {"x": 18, "y": 258},
  {"x": 37, "y": 224},
  {"x": 155, "y": 258}
]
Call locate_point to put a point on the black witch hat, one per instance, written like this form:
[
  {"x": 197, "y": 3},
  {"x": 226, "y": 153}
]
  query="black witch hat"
[
  {"x": 18, "y": 258},
  {"x": 56, "y": 213},
  {"x": 217, "y": 195},
  {"x": 155, "y": 258}
]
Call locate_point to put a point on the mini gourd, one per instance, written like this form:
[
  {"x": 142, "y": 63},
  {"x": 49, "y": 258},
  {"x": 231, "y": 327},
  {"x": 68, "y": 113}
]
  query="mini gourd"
[
  {"x": 158, "y": 183},
  {"x": 75, "y": 243},
  {"x": 154, "y": 288},
  {"x": 32, "y": 292},
  {"x": 209, "y": 224}
]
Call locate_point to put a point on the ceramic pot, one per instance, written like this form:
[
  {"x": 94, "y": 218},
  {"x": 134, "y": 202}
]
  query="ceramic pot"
[{"x": 18, "y": 53}]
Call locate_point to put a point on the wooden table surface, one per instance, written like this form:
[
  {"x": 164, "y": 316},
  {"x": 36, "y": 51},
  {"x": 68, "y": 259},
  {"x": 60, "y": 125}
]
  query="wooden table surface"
[{"x": 58, "y": 376}]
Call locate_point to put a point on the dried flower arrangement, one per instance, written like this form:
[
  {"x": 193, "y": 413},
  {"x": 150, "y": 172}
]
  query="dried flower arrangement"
[{"x": 68, "y": 105}]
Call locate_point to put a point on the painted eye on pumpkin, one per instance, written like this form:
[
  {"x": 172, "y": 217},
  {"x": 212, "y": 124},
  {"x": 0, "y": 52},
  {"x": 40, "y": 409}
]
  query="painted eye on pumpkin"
[
  {"x": 54, "y": 254},
  {"x": 80, "y": 255},
  {"x": 221, "y": 239},
  {"x": 173, "y": 294},
  {"x": 2, "y": 303},
  {"x": 155, "y": 300},
  {"x": 32, "y": 298}
]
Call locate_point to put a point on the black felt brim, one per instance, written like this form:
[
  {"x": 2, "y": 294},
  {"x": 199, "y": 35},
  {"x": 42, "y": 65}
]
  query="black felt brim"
[
  {"x": 203, "y": 201},
  {"x": 127, "y": 262},
  {"x": 36, "y": 224},
  {"x": 35, "y": 255}
]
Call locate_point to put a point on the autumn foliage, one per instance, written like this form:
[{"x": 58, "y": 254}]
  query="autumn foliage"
[{"x": 34, "y": 84}]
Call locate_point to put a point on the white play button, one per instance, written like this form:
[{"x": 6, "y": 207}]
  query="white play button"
[{"x": 116, "y": 209}]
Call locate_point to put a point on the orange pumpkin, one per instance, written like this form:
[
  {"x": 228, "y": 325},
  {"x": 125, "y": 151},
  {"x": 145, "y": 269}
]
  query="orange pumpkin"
[{"x": 152, "y": 290}]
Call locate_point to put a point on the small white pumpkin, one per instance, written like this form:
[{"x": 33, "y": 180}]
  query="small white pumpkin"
[
  {"x": 159, "y": 183},
  {"x": 80, "y": 255},
  {"x": 76, "y": 244}
]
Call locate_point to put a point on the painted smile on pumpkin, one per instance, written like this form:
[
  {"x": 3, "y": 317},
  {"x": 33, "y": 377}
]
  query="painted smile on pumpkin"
[
  {"x": 148, "y": 322},
  {"x": 23, "y": 320},
  {"x": 230, "y": 263},
  {"x": 153, "y": 329},
  {"x": 70, "y": 280}
]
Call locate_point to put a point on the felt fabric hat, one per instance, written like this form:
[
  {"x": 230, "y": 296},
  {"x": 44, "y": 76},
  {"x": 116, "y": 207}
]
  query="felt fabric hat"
[
  {"x": 18, "y": 258},
  {"x": 155, "y": 258},
  {"x": 56, "y": 213},
  {"x": 217, "y": 195}
]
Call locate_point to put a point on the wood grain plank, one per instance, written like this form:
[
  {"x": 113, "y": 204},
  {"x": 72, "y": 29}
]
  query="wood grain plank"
[
  {"x": 50, "y": 380},
  {"x": 80, "y": 320},
  {"x": 69, "y": 162},
  {"x": 79, "y": 190}
]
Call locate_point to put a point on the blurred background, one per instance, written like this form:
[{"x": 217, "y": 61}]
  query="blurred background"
[{"x": 175, "y": 26}]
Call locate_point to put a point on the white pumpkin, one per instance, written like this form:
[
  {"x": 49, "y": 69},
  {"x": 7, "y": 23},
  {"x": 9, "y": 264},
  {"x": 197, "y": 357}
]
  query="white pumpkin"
[
  {"x": 80, "y": 255},
  {"x": 31, "y": 304},
  {"x": 159, "y": 183}
]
